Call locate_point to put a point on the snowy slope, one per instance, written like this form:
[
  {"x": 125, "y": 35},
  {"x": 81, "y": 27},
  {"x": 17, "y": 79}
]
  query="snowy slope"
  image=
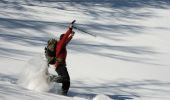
[{"x": 129, "y": 58}]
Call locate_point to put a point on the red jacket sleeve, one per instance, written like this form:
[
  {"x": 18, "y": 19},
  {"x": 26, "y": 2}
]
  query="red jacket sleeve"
[
  {"x": 68, "y": 39},
  {"x": 63, "y": 42}
]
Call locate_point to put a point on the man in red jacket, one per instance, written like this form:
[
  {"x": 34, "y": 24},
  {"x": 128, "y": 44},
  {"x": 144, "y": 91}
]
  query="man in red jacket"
[{"x": 61, "y": 54}]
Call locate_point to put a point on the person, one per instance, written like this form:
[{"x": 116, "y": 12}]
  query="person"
[{"x": 60, "y": 64}]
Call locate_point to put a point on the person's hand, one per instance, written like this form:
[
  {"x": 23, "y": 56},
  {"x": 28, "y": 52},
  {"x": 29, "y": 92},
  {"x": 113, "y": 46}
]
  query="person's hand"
[{"x": 71, "y": 26}]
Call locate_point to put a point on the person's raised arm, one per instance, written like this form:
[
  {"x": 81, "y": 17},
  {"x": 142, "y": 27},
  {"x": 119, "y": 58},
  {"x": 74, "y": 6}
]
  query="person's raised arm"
[
  {"x": 62, "y": 41},
  {"x": 70, "y": 37}
]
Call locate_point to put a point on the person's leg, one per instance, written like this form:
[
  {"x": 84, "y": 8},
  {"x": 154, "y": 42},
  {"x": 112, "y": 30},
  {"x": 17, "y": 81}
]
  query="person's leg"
[
  {"x": 65, "y": 87},
  {"x": 63, "y": 78}
]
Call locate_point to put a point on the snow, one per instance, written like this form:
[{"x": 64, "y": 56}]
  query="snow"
[
  {"x": 34, "y": 74},
  {"x": 129, "y": 58}
]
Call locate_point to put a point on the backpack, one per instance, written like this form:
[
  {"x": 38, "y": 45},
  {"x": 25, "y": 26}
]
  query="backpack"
[{"x": 50, "y": 51}]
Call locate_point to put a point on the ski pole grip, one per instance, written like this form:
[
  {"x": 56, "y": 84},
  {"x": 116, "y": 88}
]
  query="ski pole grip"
[{"x": 73, "y": 21}]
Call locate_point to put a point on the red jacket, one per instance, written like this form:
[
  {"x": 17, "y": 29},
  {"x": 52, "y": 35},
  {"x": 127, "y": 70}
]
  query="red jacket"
[{"x": 61, "y": 51}]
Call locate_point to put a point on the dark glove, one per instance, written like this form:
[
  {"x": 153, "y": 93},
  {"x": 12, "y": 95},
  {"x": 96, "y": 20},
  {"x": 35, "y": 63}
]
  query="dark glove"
[{"x": 71, "y": 24}]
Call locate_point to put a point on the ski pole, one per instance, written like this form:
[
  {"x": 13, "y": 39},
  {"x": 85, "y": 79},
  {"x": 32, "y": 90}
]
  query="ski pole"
[
  {"x": 84, "y": 31},
  {"x": 73, "y": 21}
]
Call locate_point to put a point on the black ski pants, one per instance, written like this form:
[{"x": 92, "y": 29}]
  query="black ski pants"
[{"x": 64, "y": 77}]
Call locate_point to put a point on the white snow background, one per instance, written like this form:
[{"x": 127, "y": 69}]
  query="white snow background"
[{"x": 128, "y": 58}]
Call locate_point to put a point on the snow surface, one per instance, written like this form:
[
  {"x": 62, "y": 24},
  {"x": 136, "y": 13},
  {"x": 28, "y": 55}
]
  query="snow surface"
[{"x": 129, "y": 58}]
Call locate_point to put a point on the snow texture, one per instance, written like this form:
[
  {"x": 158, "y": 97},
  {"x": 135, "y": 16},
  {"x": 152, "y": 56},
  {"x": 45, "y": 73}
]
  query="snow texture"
[
  {"x": 128, "y": 58},
  {"x": 35, "y": 75}
]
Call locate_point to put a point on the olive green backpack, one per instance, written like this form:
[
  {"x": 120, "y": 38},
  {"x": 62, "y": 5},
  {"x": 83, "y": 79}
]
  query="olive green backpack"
[{"x": 50, "y": 51}]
